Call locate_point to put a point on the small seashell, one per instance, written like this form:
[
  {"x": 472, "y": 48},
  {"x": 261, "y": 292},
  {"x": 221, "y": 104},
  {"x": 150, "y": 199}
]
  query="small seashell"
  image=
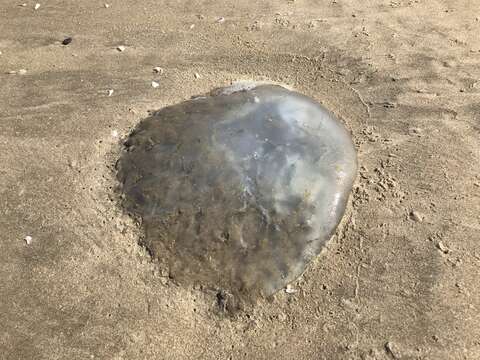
[
  {"x": 290, "y": 290},
  {"x": 155, "y": 84}
]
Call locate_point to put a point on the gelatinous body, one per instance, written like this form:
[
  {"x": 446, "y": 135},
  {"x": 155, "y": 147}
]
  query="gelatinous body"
[{"x": 239, "y": 191}]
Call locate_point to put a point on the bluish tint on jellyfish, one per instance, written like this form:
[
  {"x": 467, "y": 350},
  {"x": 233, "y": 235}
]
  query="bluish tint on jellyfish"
[{"x": 240, "y": 190}]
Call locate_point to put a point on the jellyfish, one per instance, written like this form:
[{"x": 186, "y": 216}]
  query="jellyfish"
[{"x": 240, "y": 189}]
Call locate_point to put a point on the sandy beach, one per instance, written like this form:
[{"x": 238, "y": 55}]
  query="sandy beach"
[{"x": 400, "y": 279}]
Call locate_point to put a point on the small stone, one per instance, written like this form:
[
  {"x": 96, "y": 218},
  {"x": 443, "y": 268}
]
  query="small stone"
[
  {"x": 416, "y": 130},
  {"x": 106, "y": 6},
  {"x": 72, "y": 163},
  {"x": 221, "y": 20},
  {"x": 389, "y": 105},
  {"x": 443, "y": 248},
  {"x": 121, "y": 48},
  {"x": 67, "y": 40},
  {"x": 192, "y": 26},
  {"x": 37, "y": 6},
  {"x": 290, "y": 290},
  {"x": 110, "y": 92},
  {"x": 392, "y": 350},
  {"x": 416, "y": 216},
  {"x": 197, "y": 75},
  {"x": 23, "y": 5},
  {"x": 155, "y": 84},
  {"x": 28, "y": 239},
  {"x": 158, "y": 70}
]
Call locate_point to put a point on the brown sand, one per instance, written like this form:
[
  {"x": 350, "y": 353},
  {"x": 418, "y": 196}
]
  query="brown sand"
[{"x": 403, "y": 75}]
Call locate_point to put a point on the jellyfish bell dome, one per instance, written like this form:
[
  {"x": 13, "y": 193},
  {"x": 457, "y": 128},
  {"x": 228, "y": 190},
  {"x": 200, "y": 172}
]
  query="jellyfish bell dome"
[{"x": 241, "y": 189}]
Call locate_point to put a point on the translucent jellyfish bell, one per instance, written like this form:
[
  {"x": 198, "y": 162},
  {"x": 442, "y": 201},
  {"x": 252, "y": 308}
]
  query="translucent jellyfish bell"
[{"x": 240, "y": 190}]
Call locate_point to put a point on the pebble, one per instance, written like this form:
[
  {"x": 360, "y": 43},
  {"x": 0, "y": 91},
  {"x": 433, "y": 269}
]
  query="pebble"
[
  {"x": 155, "y": 84},
  {"x": 389, "y": 105},
  {"x": 392, "y": 350},
  {"x": 106, "y": 6},
  {"x": 121, "y": 48},
  {"x": 416, "y": 216},
  {"x": 197, "y": 75},
  {"x": 415, "y": 130},
  {"x": 37, "y": 6},
  {"x": 443, "y": 248},
  {"x": 158, "y": 70},
  {"x": 110, "y": 92},
  {"x": 28, "y": 239},
  {"x": 282, "y": 317},
  {"x": 72, "y": 163},
  {"x": 67, "y": 40}
]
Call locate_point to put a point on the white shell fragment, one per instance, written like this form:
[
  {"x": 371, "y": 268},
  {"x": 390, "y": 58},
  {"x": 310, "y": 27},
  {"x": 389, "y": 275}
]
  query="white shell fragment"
[
  {"x": 110, "y": 92},
  {"x": 158, "y": 70},
  {"x": 28, "y": 239},
  {"x": 290, "y": 290},
  {"x": 37, "y": 6},
  {"x": 155, "y": 84},
  {"x": 241, "y": 190},
  {"x": 121, "y": 48}
]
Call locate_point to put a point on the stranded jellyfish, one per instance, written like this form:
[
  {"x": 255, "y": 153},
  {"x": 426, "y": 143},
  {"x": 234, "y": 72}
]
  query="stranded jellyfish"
[{"x": 239, "y": 190}]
